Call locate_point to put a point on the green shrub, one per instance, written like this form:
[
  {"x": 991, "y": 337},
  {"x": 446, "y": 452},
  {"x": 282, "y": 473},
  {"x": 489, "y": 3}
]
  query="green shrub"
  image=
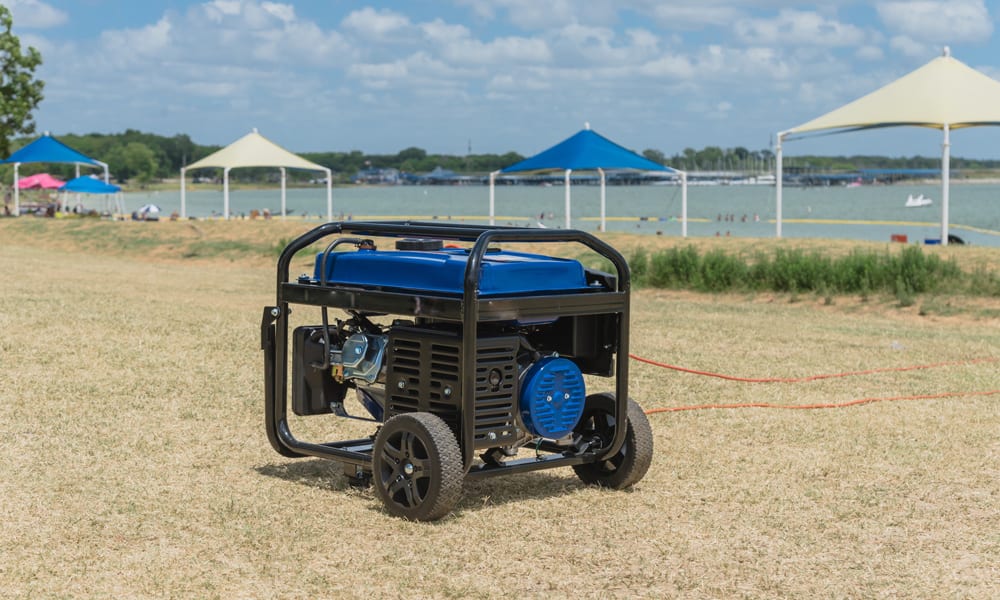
[
  {"x": 721, "y": 272},
  {"x": 984, "y": 283},
  {"x": 856, "y": 273},
  {"x": 638, "y": 266},
  {"x": 903, "y": 275},
  {"x": 675, "y": 268}
]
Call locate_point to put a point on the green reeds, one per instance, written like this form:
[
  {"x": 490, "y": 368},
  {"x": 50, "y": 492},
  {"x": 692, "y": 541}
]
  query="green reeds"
[{"x": 902, "y": 274}]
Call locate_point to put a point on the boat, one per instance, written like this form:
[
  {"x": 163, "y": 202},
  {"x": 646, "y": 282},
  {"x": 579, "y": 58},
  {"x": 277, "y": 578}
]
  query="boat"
[{"x": 918, "y": 200}]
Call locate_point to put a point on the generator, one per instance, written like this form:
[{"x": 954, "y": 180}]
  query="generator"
[{"x": 471, "y": 360}]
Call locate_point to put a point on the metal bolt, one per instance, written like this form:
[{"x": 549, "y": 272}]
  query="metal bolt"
[
  {"x": 566, "y": 396},
  {"x": 358, "y": 349},
  {"x": 548, "y": 398},
  {"x": 275, "y": 311},
  {"x": 408, "y": 468},
  {"x": 447, "y": 392},
  {"x": 401, "y": 384}
]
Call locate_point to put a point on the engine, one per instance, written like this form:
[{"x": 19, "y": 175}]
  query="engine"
[{"x": 528, "y": 385}]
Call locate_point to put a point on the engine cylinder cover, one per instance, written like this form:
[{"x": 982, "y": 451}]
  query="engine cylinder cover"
[{"x": 552, "y": 397}]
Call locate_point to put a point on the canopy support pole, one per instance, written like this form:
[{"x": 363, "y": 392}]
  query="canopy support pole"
[
  {"x": 493, "y": 179},
  {"x": 329, "y": 195},
  {"x": 945, "y": 180},
  {"x": 778, "y": 180},
  {"x": 77, "y": 195},
  {"x": 282, "y": 169},
  {"x": 568, "y": 171},
  {"x": 225, "y": 193},
  {"x": 684, "y": 203},
  {"x": 17, "y": 192},
  {"x": 604, "y": 224},
  {"x": 183, "y": 193}
]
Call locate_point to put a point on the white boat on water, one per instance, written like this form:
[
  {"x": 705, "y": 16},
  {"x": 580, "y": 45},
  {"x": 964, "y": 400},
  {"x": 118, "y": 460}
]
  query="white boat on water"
[{"x": 918, "y": 200}]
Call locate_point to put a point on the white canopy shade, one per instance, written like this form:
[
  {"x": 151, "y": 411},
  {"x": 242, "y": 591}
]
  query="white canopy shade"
[
  {"x": 944, "y": 94},
  {"x": 254, "y": 150}
]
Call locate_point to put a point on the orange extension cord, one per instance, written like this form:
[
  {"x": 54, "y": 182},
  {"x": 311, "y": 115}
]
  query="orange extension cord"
[{"x": 814, "y": 378}]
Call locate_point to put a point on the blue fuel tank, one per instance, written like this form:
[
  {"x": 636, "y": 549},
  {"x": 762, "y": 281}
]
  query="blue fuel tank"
[{"x": 503, "y": 273}]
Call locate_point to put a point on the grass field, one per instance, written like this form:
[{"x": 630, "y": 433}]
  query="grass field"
[{"x": 134, "y": 461}]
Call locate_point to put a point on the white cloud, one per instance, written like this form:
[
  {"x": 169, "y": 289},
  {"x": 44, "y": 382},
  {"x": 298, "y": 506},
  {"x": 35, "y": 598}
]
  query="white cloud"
[
  {"x": 795, "y": 27},
  {"x": 374, "y": 24},
  {"x": 938, "y": 21},
  {"x": 509, "y": 83},
  {"x": 130, "y": 45},
  {"x": 33, "y": 14},
  {"x": 217, "y": 89},
  {"x": 301, "y": 41},
  {"x": 217, "y": 10},
  {"x": 668, "y": 67},
  {"x": 745, "y": 64},
  {"x": 869, "y": 53},
  {"x": 456, "y": 44},
  {"x": 417, "y": 73},
  {"x": 693, "y": 16},
  {"x": 535, "y": 15},
  {"x": 908, "y": 46},
  {"x": 284, "y": 12},
  {"x": 439, "y": 32},
  {"x": 379, "y": 72}
]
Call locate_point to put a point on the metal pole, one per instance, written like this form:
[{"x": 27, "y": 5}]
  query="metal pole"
[
  {"x": 945, "y": 180},
  {"x": 283, "y": 213},
  {"x": 329, "y": 195},
  {"x": 493, "y": 178},
  {"x": 183, "y": 193},
  {"x": 778, "y": 179},
  {"x": 603, "y": 202},
  {"x": 568, "y": 171},
  {"x": 684, "y": 204},
  {"x": 17, "y": 192},
  {"x": 225, "y": 193}
]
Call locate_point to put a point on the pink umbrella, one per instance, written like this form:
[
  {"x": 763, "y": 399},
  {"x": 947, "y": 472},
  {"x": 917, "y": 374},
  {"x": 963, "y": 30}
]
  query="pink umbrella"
[{"x": 42, "y": 180}]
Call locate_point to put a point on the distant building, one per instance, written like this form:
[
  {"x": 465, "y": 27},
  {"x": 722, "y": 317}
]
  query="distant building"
[{"x": 377, "y": 176}]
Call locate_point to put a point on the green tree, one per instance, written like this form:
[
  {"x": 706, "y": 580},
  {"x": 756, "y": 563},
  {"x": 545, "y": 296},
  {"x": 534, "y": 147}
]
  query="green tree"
[
  {"x": 134, "y": 160},
  {"x": 411, "y": 153},
  {"x": 655, "y": 156},
  {"x": 20, "y": 92}
]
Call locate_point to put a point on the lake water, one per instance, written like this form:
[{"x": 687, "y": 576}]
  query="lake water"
[{"x": 865, "y": 212}]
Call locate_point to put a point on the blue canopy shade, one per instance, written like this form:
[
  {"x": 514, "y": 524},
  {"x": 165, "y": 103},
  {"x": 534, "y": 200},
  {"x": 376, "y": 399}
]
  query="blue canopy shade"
[
  {"x": 586, "y": 151},
  {"x": 89, "y": 185},
  {"x": 589, "y": 151},
  {"x": 48, "y": 149}
]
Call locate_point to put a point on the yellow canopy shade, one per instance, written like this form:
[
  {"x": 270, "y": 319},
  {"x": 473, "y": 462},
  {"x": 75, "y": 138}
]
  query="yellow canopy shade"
[
  {"x": 944, "y": 94},
  {"x": 255, "y": 150}
]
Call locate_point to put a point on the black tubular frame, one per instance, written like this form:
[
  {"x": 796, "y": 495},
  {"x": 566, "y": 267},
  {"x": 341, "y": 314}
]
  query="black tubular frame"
[{"x": 468, "y": 309}]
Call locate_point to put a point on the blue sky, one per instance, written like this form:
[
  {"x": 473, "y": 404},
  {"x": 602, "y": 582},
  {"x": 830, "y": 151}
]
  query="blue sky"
[{"x": 496, "y": 75}]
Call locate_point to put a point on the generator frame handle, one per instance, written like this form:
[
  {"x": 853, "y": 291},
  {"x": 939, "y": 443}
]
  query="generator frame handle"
[{"x": 274, "y": 330}]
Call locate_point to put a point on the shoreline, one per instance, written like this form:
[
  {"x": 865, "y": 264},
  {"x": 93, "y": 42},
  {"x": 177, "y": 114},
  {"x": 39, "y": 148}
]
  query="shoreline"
[{"x": 173, "y": 185}]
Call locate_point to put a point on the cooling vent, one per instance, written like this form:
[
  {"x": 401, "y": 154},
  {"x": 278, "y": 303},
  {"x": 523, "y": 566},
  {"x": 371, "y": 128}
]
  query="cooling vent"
[{"x": 424, "y": 374}]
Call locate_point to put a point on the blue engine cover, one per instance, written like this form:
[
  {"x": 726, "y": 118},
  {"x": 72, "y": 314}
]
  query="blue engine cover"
[
  {"x": 552, "y": 397},
  {"x": 443, "y": 271}
]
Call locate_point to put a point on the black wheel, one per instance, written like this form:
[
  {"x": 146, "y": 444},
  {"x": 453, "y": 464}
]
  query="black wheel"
[
  {"x": 417, "y": 467},
  {"x": 631, "y": 462}
]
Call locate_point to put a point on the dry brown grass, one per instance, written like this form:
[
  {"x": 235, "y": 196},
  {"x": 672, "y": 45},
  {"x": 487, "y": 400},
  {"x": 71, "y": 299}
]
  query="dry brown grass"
[{"x": 135, "y": 463}]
